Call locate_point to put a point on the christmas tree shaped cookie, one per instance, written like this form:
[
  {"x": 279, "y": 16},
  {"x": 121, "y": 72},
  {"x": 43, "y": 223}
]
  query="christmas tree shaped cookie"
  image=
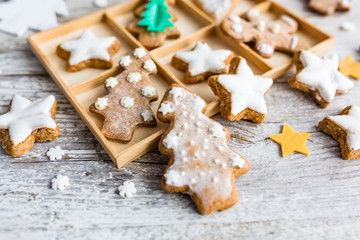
[
  {"x": 201, "y": 162},
  {"x": 268, "y": 35},
  {"x": 26, "y": 122},
  {"x": 127, "y": 103},
  {"x": 155, "y": 25}
]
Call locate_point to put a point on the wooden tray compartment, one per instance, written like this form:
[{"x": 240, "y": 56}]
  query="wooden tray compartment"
[
  {"x": 84, "y": 87},
  {"x": 280, "y": 62}
]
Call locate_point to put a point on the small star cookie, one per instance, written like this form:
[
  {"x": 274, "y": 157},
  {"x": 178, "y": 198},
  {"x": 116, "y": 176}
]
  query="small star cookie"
[
  {"x": 202, "y": 62},
  {"x": 291, "y": 141},
  {"x": 320, "y": 77},
  {"x": 349, "y": 67},
  {"x": 241, "y": 93},
  {"x": 267, "y": 35},
  {"x": 201, "y": 162},
  {"x": 88, "y": 51},
  {"x": 345, "y": 128},
  {"x": 328, "y": 7},
  {"x": 127, "y": 103},
  {"x": 26, "y": 122}
]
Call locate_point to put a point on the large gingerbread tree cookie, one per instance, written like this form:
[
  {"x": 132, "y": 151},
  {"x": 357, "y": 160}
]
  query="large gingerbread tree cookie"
[{"x": 201, "y": 162}]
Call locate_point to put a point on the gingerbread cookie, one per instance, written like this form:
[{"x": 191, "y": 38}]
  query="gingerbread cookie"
[
  {"x": 26, "y": 122},
  {"x": 155, "y": 26},
  {"x": 327, "y": 7},
  {"x": 140, "y": 9},
  {"x": 267, "y": 35},
  {"x": 320, "y": 77},
  {"x": 202, "y": 62},
  {"x": 345, "y": 128},
  {"x": 127, "y": 103},
  {"x": 215, "y": 8},
  {"x": 88, "y": 51},
  {"x": 241, "y": 93},
  {"x": 201, "y": 163}
]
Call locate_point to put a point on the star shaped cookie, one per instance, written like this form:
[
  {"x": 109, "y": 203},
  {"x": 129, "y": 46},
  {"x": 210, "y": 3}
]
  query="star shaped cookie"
[
  {"x": 127, "y": 104},
  {"x": 88, "y": 51},
  {"x": 241, "y": 93},
  {"x": 328, "y": 7},
  {"x": 320, "y": 77},
  {"x": 291, "y": 141},
  {"x": 345, "y": 128},
  {"x": 26, "y": 122},
  {"x": 202, "y": 62}
]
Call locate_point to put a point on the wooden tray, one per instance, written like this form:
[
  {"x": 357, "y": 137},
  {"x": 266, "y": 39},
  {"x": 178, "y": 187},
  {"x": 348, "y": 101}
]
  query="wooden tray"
[{"x": 84, "y": 87}]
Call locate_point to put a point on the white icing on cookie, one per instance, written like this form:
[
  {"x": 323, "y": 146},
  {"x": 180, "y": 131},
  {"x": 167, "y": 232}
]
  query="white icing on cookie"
[
  {"x": 148, "y": 91},
  {"x": 133, "y": 77},
  {"x": 294, "y": 42},
  {"x": 26, "y": 116},
  {"x": 275, "y": 28},
  {"x": 351, "y": 124},
  {"x": 203, "y": 59},
  {"x": 322, "y": 75},
  {"x": 216, "y": 8},
  {"x": 287, "y": 20},
  {"x": 55, "y": 153},
  {"x": 165, "y": 108},
  {"x": 247, "y": 90},
  {"x": 345, "y": 3},
  {"x": 237, "y": 28},
  {"x": 253, "y": 13},
  {"x": 87, "y": 47},
  {"x": 111, "y": 82},
  {"x": 127, "y": 189},
  {"x": 235, "y": 18},
  {"x": 261, "y": 26},
  {"x": 149, "y": 65},
  {"x": 208, "y": 174},
  {"x": 127, "y": 102},
  {"x": 147, "y": 115},
  {"x": 266, "y": 49},
  {"x": 139, "y": 52},
  {"x": 101, "y": 103},
  {"x": 237, "y": 161},
  {"x": 125, "y": 61},
  {"x": 60, "y": 182}
]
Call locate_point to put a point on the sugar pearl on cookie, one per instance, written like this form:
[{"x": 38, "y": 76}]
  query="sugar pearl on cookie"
[
  {"x": 261, "y": 25},
  {"x": 235, "y": 18},
  {"x": 149, "y": 65},
  {"x": 133, "y": 77},
  {"x": 165, "y": 108},
  {"x": 147, "y": 115},
  {"x": 101, "y": 103},
  {"x": 148, "y": 91},
  {"x": 237, "y": 28},
  {"x": 125, "y": 61},
  {"x": 111, "y": 82},
  {"x": 275, "y": 28},
  {"x": 127, "y": 102},
  {"x": 139, "y": 52}
]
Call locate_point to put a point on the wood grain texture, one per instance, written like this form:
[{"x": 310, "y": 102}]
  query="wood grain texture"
[{"x": 297, "y": 197}]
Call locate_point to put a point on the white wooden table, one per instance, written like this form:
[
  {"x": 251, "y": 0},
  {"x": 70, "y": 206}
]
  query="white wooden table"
[{"x": 297, "y": 197}]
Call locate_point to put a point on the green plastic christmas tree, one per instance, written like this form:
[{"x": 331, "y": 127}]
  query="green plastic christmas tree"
[{"x": 156, "y": 17}]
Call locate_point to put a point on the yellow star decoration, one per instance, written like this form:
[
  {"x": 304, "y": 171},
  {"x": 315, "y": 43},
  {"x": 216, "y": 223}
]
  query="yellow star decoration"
[
  {"x": 349, "y": 67},
  {"x": 291, "y": 141}
]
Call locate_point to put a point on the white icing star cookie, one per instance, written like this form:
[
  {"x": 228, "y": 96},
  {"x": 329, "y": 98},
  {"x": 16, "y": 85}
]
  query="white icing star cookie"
[
  {"x": 345, "y": 128},
  {"x": 241, "y": 93},
  {"x": 320, "y": 76},
  {"x": 202, "y": 62},
  {"x": 88, "y": 51},
  {"x": 23, "y": 118},
  {"x": 215, "y": 8}
]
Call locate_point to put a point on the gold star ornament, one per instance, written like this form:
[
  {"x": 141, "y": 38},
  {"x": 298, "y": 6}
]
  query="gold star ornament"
[{"x": 291, "y": 141}]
